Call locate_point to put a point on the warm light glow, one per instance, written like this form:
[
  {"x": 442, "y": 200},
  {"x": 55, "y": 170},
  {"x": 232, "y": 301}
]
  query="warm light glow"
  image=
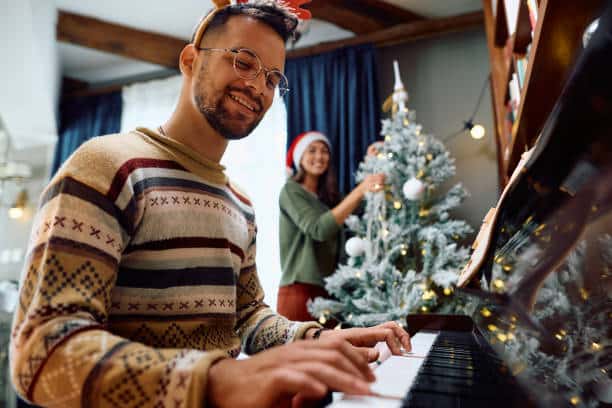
[
  {"x": 428, "y": 295},
  {"x": 15, "y": 212},
  {"x": 17, "y": 209},
  {"x": 477, "y": 132},
  {"x": 498, "y": 284},
  {"x": 397, "y": 205}
]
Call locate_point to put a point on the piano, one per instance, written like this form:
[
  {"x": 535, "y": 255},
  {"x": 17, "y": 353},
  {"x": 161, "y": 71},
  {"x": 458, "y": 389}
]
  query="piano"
[{"x": 540, "y": 276}]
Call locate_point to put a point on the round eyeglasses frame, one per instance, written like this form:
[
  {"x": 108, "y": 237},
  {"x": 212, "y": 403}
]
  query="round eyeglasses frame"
[{"x": 253, "y": 72}]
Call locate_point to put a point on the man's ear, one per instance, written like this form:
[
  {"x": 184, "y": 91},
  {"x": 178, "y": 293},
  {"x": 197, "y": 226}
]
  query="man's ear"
[{"x": 187, "y": 59}]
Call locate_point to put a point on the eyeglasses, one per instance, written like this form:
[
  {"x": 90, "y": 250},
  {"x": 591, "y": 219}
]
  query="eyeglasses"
[{"x": 247, "y": 65}]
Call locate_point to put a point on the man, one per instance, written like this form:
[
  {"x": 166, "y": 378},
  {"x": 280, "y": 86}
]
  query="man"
[{"x": 140, "y": 280}]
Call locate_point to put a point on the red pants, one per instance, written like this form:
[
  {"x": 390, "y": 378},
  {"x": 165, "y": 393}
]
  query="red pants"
[{"x": 292, "y": 300}]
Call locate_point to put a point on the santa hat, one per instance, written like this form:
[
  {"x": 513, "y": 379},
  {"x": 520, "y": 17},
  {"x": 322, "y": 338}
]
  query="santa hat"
[{"x": 298, "y": 147}]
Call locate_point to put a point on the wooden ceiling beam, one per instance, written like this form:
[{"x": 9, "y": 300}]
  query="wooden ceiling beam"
[
  {"x": 360, "y": 16},
  {"x": 399, "y": 34},
  {"x": 100, "y": 35},
  {"x": 164, "y": 50}
]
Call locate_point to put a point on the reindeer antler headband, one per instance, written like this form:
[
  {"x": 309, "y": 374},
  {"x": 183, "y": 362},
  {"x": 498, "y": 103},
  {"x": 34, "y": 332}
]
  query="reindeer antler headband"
[{"x": 293, "y": 5}]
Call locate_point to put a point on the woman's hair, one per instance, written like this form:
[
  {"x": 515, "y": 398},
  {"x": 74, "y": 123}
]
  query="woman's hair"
[{"x": 327, "y": 188}]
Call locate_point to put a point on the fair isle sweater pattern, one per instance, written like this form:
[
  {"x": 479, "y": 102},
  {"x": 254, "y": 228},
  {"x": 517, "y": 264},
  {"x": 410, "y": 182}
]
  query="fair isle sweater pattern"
[{"x": 140, "y": 274}]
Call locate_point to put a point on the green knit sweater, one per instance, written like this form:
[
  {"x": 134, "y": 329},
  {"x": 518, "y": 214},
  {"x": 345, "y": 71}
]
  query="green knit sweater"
[{"x": 309, "y": 237}]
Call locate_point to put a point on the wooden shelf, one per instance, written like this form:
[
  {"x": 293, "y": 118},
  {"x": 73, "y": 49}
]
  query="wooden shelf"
[{"x": 551, "y": 53}]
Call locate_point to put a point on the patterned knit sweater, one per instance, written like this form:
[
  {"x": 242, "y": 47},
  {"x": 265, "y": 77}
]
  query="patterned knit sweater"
[{"x": 140, "y": 274}]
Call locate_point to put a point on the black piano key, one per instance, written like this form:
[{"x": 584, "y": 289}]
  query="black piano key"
[
  {"x": 432, "y": 400},
  {"x": 463, "y": 371}
]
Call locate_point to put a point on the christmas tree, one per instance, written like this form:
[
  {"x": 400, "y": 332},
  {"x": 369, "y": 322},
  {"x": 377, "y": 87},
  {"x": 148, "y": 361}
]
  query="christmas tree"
[{"x": 405, "y": 255}]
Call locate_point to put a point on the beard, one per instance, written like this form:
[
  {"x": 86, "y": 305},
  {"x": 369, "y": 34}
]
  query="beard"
[{"x": 229, "y": 126}]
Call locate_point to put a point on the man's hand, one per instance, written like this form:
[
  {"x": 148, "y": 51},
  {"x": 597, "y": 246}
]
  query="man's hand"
[
  {"x": 366, "y": 338},
  {"x": 306, "y": 370}
]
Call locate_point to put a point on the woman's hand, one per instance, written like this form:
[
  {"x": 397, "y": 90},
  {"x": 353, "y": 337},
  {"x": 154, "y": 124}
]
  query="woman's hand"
[
  {"x": 374, "y": 148},
  {"x": 373, "y": 183}
]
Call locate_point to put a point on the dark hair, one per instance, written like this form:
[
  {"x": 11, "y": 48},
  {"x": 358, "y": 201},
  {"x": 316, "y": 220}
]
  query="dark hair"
[
  {"x": 274, "y": 14},
  {"x": 327, "y": 188}
]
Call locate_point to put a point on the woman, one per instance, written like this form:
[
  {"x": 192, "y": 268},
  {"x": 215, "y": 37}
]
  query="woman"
[{"x": 311, "y": 217}]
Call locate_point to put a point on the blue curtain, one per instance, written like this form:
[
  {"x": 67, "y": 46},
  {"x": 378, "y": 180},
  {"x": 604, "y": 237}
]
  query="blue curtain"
[
  {"x": 85, "y": 117},
  {"x": 336, "y": 93}
]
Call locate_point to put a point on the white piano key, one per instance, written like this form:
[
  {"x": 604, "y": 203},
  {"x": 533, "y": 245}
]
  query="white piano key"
[
  {"x": 394, "y": 375},
  {"x": 352, "y": 401}
]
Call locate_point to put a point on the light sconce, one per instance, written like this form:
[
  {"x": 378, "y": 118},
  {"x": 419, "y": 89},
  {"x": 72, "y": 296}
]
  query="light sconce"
[{"x": 17, "y": 210}]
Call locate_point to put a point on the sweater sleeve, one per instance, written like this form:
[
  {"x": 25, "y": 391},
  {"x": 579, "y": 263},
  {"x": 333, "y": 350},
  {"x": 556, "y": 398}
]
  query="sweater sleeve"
[
  {"x": 317, "y": 223},
  {"x": 258, "y": 326},
  {"x": 61, "y": 353}
]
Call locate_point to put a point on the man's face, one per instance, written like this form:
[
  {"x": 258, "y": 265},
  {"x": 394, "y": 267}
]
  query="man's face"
[{"x": 234, "y": 106}]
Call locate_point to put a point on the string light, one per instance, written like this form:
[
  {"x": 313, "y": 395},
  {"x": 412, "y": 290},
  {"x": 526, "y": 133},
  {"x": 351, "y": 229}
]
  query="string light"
[
  {"x": 476, "y": 130},
  {"x": 428, "y": 295},
  {"x": 498, "y": 284},
  {"x": 485, "y": 312}
]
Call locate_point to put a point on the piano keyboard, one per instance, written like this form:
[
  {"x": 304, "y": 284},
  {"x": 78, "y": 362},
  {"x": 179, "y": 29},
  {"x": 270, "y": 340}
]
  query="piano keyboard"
[
  {"x": 394, "y": 375},
  {"x": 444, "y": 369}
]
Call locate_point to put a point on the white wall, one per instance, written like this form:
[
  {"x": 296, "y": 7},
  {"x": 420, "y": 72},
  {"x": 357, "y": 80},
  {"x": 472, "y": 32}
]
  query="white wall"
[
  {"x": 14, "y": 234},
  {"x": 443, "y": 77},
  {"x": 29, "y": 73}
]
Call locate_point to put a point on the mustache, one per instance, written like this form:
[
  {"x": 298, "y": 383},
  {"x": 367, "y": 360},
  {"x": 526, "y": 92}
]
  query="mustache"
[{"x": 246, "y": 91}]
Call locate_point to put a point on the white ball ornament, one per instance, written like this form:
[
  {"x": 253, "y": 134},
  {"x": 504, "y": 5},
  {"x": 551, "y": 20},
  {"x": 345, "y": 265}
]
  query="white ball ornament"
[
  {"x": 413, "y": 189},
  {"x": 355, "y": 246}
]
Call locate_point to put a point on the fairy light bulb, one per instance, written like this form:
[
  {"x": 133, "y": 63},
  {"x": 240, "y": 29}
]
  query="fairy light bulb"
[{"x": 477, "y": 132}]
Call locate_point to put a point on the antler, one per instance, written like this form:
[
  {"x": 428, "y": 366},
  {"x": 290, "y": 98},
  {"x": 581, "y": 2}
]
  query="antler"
[
  {"x": 302, "y": 14},
  {"x": 221, "y": 3},
  {"x": 294, "y": 5}
]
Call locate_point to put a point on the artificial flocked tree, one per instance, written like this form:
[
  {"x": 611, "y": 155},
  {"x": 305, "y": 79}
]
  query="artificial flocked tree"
[{"x": 406, "y": 253}]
